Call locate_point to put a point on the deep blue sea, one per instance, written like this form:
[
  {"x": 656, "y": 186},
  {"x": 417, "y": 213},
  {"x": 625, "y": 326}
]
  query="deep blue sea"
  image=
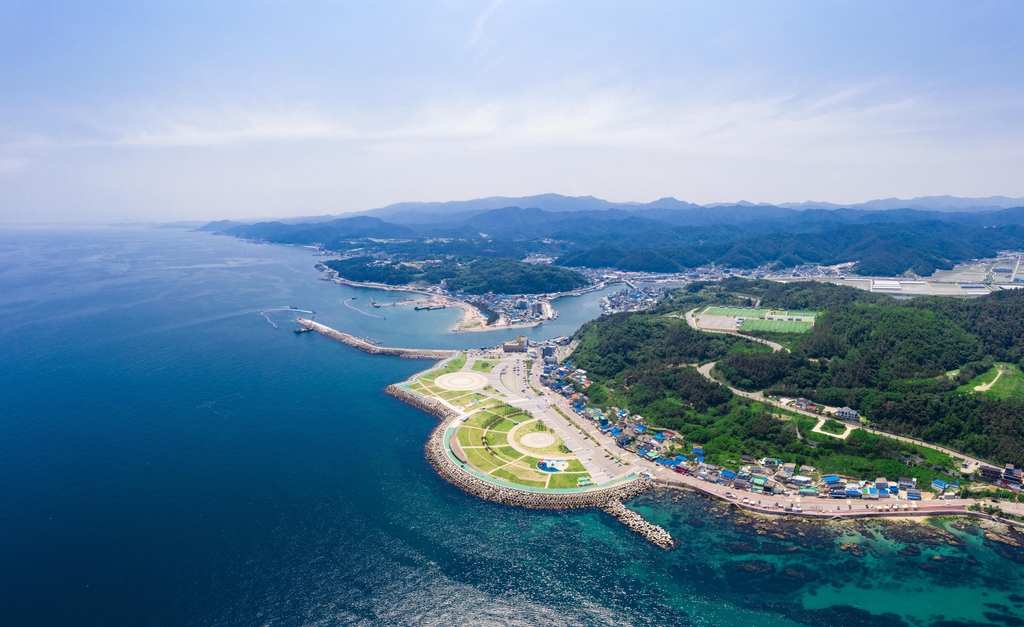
[{"x": 169, "y": 457}]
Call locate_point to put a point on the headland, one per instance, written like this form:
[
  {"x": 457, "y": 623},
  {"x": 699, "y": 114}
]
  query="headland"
[{"x": 507, "y": 440}]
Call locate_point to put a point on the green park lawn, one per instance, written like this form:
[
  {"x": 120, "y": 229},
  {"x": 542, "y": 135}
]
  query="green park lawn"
[
  {"x": 469, "y": 436},
  {"x": 534, "y": 481},
  {"x": 484, "y": 366},
  {"x": 497, "y": 438},
  {"x": 482, "y": 459},
  {"x": 565, "y": 480}
]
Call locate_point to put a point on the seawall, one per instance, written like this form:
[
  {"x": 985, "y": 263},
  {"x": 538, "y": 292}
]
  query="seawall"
[
  {"x": 846, "y": 514},
  {"x": 608, "y": 499},
  {"x": 366, "y": 347}
]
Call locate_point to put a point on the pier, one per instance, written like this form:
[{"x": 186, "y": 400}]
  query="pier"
[{"x": 366, "y": 347}]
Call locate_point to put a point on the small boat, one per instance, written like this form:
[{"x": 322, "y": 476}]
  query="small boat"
[{"x": 303, "y": 330}]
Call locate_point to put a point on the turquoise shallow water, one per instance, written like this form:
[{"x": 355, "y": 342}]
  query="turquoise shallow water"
[{"x": 168, "y": 457}]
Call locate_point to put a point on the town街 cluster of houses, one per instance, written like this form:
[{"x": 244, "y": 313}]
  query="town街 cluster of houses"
[{"x": 764, "y": 476}]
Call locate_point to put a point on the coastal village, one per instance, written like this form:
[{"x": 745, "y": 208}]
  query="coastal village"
[
  {"x": 765, "y": 477},
  {"x": 518, "y": 418},
  {"x": 517, "y": 427}
]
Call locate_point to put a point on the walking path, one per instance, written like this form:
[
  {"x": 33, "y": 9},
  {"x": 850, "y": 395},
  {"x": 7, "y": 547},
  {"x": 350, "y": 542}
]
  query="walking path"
[{"x": 985, "y": 387}]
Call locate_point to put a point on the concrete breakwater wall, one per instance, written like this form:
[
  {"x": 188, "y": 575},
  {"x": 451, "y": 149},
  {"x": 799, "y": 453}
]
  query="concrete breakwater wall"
[
  {"x": 636, "y": 522},
  {"x": 608, "y": 499},
  {"x": 429, "y": 405},
  {"x": 452, "y": 472},
  {"x": 366, "y": 347}
]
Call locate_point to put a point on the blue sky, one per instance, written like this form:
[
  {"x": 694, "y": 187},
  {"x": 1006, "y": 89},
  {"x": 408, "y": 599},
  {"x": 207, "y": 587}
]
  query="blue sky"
[{"x": 124, "y": 111}]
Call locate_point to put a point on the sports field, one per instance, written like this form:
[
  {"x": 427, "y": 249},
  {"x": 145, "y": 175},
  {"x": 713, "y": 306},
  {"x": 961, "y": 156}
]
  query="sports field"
[
  {"x": 744, "y": 312},
  {"x": 737, "y": 312},
  {"x": 781, "y": 326}
]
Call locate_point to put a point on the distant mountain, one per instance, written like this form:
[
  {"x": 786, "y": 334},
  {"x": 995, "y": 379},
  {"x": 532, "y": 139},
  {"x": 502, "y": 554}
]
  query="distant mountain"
[
  {"x": 427, "y": 212},
  {"x": 318, "y": 233},
  {"x": 665, "y": 209},
  {"x": 878, "y": 249},
  {"x": 666, "y": 235},
  {"x": 934, "y": 203}
]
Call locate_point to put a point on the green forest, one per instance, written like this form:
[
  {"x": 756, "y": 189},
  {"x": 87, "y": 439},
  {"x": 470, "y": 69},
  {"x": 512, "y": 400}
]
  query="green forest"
[
  {"x": 902, "y": 364},
  {"x": 473, "y": 276},
  {"x": 878, "y": 249}
]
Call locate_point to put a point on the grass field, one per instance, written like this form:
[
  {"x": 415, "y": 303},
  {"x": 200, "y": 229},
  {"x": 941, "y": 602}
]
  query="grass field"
[
  {"x": 565, "y": 480},
  {"x": 497, "y": 438},
  {"x": 513, "y": 475},
  {"x": 482, "y": 459},
  {"x": 535, "y": 427},
  {"x": 780, "y": 326},
  {"x": 1009, "y": 384},
  {"x": 484, "y": 366},
  {"x": 469, "y": 436},
  {"x": 736, "y": 312}
]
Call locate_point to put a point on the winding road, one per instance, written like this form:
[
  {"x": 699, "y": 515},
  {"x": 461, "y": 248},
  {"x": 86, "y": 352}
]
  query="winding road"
[{"x": 973, "y": 462}]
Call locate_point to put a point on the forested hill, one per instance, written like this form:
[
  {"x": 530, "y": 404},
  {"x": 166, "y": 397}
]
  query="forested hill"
[
  {"x": 877, "y": 249},
  {"x": 904, "y": 365},
  {"x": 671, "y": 238},
  {"x": 475, "y": 276}
]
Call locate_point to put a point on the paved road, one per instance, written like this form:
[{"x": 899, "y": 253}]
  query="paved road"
[
  {"x": 604, "y": 469},
  {"x": 973, "y": 462},
  {"x": 509, "y": 378}
]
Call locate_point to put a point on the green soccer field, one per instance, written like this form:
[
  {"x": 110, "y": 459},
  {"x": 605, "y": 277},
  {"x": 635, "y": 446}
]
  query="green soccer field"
[
  {"x": 798, "y": 314},
  {"x": 781, "y": 326},
  {"x": 736, "y": 312}
]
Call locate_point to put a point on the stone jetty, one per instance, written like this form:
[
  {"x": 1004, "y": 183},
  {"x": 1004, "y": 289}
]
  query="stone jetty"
[
  {"x": 636, "y": 522},
  {"x": 427, "y": 404},
  {"x": 366, "y": 347}
]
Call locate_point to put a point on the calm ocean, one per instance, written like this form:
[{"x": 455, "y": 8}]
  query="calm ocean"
[{"x": 169, "y": 457}]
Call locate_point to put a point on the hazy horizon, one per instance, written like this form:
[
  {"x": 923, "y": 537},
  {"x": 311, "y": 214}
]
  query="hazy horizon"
[{"x": 117, "y": 112}]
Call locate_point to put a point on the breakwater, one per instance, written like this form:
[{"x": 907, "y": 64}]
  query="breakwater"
[
  {"x": 366, "y": 347},
  {"x": 456, "y": 473},
  {"x": 429, "y": 405},
  {"x": 636, "y": 522}
]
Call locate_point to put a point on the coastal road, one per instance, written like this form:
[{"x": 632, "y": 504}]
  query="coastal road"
[
  {"x": 972, "y": 462},
  {"x": 596, "y": 451}
]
